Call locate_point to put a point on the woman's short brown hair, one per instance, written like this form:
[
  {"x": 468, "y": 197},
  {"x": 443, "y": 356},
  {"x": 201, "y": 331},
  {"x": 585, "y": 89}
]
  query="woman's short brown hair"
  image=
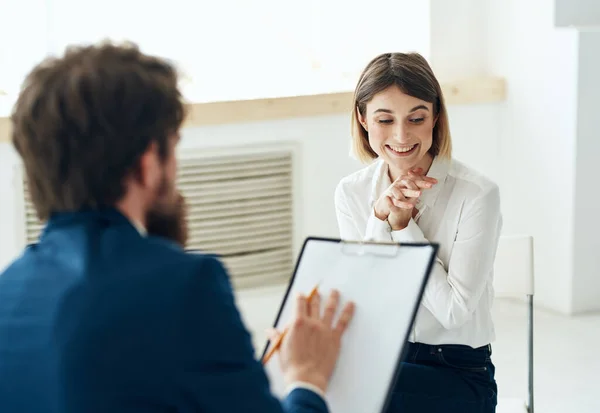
[
  {"x": 82, "y": 121},
  {"x": 412, "y": 74}
]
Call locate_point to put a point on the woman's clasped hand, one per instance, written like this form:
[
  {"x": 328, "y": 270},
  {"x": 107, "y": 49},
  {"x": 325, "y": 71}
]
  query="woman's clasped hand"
[{"x": 397, "y": 204}]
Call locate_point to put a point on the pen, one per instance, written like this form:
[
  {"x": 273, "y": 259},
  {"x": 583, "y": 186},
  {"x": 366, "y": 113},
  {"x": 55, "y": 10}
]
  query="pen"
[{"x": 279, "y": 340}]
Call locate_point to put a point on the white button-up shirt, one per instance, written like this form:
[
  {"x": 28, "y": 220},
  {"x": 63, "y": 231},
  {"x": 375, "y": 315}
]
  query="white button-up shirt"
[{"x": 462, "y": 214}]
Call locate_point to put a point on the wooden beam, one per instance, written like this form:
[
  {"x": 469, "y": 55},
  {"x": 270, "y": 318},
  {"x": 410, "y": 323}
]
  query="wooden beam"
[
  {"x": 4, "y": 129},
  {"x": 240, "y": 111},
  {"x": 466, "y": 91}
]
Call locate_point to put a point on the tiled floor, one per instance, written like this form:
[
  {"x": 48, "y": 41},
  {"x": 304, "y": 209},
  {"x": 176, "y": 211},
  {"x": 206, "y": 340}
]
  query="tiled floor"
[{"x": 566, "y": 360}]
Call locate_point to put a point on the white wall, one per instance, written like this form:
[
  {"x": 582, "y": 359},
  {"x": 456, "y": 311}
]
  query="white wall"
[
  {"x": 535, "y": 127},
  {"x": 18, "y": 57},
  {"x": 549, "y": 141},
  {"x": 273, "y": 41},
  {"x": 586, "y": 260},
  {"x": 537, "y": 141},
  {"x": 580, "y": 13},
  {"x": 457, "y": 47},
  {"x": 9, "y": 206}
]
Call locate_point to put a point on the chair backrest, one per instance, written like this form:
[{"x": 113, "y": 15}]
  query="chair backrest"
[{"x": 513, "y": 268}]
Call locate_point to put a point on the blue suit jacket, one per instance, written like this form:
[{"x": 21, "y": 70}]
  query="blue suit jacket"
[{"x": 98, "y": 318}]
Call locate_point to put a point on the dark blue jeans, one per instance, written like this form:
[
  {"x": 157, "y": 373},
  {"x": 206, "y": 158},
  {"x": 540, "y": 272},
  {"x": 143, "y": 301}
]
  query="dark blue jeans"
[{"x": 445, "y": 379}]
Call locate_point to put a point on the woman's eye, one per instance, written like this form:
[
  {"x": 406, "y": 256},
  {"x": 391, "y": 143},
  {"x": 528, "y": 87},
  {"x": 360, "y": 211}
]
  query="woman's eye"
[
  {"x": 385, "y": 121},
  {"x": 417, "y": 120}
]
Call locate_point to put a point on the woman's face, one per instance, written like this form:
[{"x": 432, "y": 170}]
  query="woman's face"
[{"x": 400, "y": 129}]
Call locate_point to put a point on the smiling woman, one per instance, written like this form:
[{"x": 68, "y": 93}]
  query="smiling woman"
[{"x": 414, "y": 191}]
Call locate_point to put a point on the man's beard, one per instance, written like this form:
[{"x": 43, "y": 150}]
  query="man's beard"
[{"x": 168, "y": 219}]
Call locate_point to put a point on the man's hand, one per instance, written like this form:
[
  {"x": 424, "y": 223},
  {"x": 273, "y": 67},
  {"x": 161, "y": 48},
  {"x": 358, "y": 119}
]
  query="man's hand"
[{"x": 310, "y": 350}]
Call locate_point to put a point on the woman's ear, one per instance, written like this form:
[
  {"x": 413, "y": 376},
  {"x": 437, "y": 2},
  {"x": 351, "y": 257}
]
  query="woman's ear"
[
  {"x": 361, "y": 119},
  {"x": 435, "y": 120}
]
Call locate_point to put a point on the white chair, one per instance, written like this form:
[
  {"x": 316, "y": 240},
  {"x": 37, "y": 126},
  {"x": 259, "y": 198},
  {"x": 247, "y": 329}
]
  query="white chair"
[{"x": 513, "y": 277}]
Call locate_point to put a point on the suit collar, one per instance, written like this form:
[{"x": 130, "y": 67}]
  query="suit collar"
[{"x": 102, "y": 216}]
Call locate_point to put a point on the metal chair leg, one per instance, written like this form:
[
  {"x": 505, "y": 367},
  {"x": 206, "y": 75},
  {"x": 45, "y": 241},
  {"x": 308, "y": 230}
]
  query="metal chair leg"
[{"x": 530, "y": 353}]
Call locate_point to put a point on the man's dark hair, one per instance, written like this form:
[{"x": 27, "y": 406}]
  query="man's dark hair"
[{"x": 82, "y": 122}]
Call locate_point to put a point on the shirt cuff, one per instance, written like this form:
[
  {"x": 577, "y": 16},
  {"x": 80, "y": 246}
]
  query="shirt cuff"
[
  {"x": 412, "y": 233},
  {"x": 306, "y": 386},
  {"x": 377, "y": 230}
]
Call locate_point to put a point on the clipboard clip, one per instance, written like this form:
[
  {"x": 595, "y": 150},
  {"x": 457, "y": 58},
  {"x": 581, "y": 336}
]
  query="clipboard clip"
[{"x": 379, "y": 249}]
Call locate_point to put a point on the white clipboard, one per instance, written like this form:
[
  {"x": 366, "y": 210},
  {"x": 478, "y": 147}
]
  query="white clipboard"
[{"x": 386, "y": 281}]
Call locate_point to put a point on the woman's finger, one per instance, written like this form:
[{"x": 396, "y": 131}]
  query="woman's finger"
[
  {"x": 414, "y": 181},
  {"x": 421, "y": 182},
  {"x": 396, "y": 192},
  {"x": 409, "y": 183},
  {"x": 404, "y": 188},
  {"x": 410, "y": 193},
  {"x": 389, "y": 203},
  {"x": 403, "y": 204},
  {"x": 420, "y": 176}
]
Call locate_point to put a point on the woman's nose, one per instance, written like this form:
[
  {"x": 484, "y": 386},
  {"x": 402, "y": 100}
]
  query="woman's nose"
[{"x": 400, "y": 133}]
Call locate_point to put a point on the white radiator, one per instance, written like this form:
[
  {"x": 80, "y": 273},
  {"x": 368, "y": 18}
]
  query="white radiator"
[{"x": 239, "y": 207}]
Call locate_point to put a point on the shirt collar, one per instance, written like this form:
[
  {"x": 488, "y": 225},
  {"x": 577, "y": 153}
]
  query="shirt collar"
[
  {"x": 379, "y": 181},
  {"x": 139, "y": 227},
  {"x": 438, "y": 170}
]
